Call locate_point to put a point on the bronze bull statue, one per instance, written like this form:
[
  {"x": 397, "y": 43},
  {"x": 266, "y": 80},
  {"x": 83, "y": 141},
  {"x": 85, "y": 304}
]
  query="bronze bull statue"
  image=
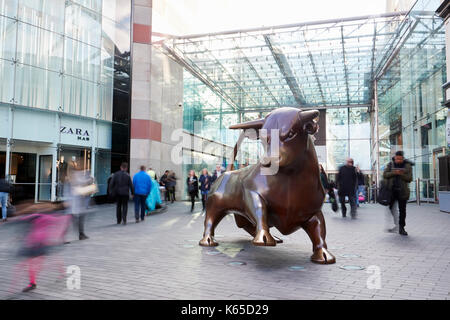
[{"x": 288, "y": 199}]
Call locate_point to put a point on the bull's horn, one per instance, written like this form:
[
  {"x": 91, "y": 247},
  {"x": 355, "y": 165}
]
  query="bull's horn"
[
  {"x": 255, "y": 124},
  {"x": 308, "y": 115}
]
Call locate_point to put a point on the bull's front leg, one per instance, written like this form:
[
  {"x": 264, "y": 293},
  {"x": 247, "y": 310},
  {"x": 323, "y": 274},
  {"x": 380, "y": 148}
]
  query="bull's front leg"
[
  {"x": 316, "y": 230},
  {"x": 258, "y": 211}
]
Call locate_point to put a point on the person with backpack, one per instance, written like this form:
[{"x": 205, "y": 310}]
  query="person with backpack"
[{"x": 397, "y": 176}]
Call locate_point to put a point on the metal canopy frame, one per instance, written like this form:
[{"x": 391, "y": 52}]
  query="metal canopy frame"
[{"x": 321, "y": 64}]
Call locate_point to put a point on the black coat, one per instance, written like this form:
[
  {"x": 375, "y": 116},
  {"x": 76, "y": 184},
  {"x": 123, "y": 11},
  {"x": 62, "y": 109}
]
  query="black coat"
[
  {"x": 5, "y": 186},
  {"x": 347, "y": 181},
  {"x": 192, "y": 187},
  {"x": 121, "y": 184}
]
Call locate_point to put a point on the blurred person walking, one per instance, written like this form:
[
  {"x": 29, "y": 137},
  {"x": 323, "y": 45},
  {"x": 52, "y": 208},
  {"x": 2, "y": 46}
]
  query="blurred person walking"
[
  {"x": 398, "y": 175},
  {"x": 347, "y": 182},
  {"x": 142, "y": 186},
  {"x": 152, "y": 174},
  {"x": 46, "y": 228},
  {"x": 171, "y": 182},
  {"x": 361, "y": 185},
  {"x": 205, "y": 186},
  {"x": 82, "y": 186},
  {"x": 192, "y": 185},
  {"x": 5, "y": 190},
  {"x": 120, "y": 188}
]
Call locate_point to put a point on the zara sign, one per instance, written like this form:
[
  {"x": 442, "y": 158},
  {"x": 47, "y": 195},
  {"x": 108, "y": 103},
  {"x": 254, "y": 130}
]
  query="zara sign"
[{"x": 80, "y": 134}]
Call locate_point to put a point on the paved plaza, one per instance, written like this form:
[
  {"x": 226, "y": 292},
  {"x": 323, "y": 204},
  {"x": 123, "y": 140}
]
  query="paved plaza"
[{"x": 160, "y": 259}]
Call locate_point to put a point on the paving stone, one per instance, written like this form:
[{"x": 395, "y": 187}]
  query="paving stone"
[{"x": 160, "y": 259}]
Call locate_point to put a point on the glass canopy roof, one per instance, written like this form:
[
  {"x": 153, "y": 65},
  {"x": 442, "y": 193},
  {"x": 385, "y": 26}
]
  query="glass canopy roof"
[{"x": 317, "y": 64}]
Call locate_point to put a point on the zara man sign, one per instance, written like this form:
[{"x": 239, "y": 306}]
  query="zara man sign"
[
  {"x": 81, "y": 134},
  {"x": 75, "y": 132}
]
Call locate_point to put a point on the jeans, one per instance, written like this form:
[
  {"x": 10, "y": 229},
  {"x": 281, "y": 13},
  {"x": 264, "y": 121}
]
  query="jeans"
[
  {"x": 122, "y": 208},
  {"x": 401, "y": 208},
  {"x": 204, "y": 198},
  {"x": 139, "y": 202},
  {"x": 4, "y": 200},
  {"x": 193, "y": 196}
]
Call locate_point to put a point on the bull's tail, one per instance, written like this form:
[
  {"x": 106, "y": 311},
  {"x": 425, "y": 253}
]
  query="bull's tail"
[{"x": 230, "y": 167}]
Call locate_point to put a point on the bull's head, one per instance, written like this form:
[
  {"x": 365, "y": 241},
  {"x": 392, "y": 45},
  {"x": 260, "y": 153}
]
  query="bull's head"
[{"x": 292, "y": 126}]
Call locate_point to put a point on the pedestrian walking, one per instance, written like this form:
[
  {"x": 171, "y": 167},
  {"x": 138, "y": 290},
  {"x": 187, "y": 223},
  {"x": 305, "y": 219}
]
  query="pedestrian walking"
[
  {"x": 142, "y": 186},
  {"x": 347, "y": 182},
  {"x": 361, "y": 186},
  {"x": 171, "y": 182},
  {"x": 5, "y": 190},
  {"x": 162, "y": 182},
  {"x": 152, "y": 174},
  {"x": 398, "y": 175},
  {"x": 82, "y": 186},
  {"x": 192, "y": 185},
  {"x": 46, "y": 225},
  {"x": 120, "y": 188},
  {"x": 205, "y": 186},
  {"x": 217, "y": 173}
]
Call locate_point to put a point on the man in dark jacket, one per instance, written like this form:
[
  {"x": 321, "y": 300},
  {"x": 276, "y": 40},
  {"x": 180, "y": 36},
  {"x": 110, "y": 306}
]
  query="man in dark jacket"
[
  {"x": 5, "y": 189},
  {"x": 162, "y": 182},
  {"x": 120, "y": 188},
  {"x": 398, "y": 175},
  {"x": 217, "y": 173},
  {"x": 347, "y": 182}
]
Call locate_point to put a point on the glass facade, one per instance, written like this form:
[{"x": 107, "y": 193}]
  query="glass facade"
[
  {"x": 411, "y": 113},
  {"x": 68, "y": 57}
]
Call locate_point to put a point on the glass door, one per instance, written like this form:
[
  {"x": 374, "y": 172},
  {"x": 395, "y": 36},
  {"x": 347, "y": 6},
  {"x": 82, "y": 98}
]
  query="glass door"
[
  {"x": 436, "y": 154},
  {"x": 45, "y": 178}
]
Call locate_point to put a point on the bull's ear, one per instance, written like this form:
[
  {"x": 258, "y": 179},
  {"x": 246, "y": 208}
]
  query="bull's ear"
[{"x": 255, "y": 124}]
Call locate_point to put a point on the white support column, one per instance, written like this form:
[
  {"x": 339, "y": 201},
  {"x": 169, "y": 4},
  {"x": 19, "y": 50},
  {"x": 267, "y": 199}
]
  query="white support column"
[
  {"x": 9, "y": 141},
  {"x": 55, "y": 157},
  {"x": 376, "y": 133},
  {"x": 93, "y": 146}
]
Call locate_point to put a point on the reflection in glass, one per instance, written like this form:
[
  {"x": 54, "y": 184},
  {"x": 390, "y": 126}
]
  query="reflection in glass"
[
  {"x": 38, "y": 88},
  {"x": 8, "y": 29},
  {"x": 43, "y": 13},
  {"x": 6, "y": 81},
  {"x": 82, "y": 60},
  {"x": 39, "y": 47},
  {"x": 80, "y": 97},
  {"x": 83, "y": 24}
]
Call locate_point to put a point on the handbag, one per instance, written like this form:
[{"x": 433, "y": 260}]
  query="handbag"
[{"x": 384, "y": 194}]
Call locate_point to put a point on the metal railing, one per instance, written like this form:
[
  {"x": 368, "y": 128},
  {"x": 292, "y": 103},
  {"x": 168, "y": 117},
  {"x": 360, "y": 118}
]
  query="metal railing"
[{"x": 423, "y": 191}]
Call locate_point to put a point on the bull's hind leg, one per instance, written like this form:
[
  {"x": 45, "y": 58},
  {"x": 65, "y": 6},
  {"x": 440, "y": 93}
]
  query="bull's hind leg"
[
  {"x": 243, "y": 223},
  {"x": 258, "y": 210},
  {"x": 214, "y": 214},
  {"x": 316, "y": 230}
]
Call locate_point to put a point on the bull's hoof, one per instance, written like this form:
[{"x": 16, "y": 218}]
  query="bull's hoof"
[
  {"x": 323, "y": 256},
  {"x": 208, "y": 241},
  {"x": 278, "y": 240},
  {"x": 264, "y": 238}
]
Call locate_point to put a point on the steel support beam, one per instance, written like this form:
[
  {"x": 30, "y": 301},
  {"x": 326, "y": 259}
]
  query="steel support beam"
[
  {"x": 286, "y": 71},
  {"x": 203, "y": 78},
  {"x": 266, "y": 88},
  {"x": 345, "y": 65},
  {"x": 313, "y": 65}
]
